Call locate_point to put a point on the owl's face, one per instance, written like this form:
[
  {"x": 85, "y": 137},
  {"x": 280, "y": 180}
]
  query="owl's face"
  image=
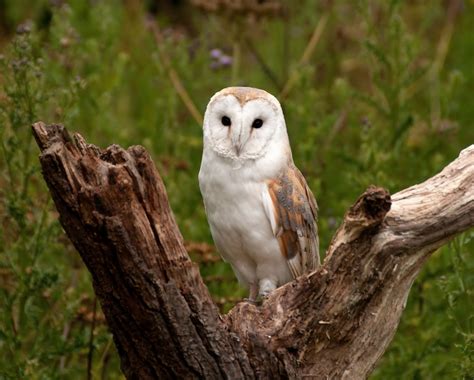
[{"x": 243, "y": 123}]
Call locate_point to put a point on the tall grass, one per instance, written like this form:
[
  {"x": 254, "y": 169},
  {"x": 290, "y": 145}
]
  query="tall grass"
[{"x": 382, "y": 98}]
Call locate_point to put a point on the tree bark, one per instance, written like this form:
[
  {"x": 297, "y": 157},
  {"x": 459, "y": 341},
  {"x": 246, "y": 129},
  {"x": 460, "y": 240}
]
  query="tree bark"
[{"x": 333, "y": 323}]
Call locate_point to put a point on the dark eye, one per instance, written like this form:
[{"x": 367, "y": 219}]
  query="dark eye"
[
  {"x": 226, "y": 121},
  {"x": 257, "y": 123}
]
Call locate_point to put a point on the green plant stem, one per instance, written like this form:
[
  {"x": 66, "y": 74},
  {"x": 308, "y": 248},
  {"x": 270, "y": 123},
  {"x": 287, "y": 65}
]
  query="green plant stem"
[
  {"x": 173, "y": 75},
  {"x": 91, "y": 342},
  {"x": 308, "y": 52},
  {"x": 8, "y": 164},
  {"x": 265, "y": 68},
  {"x": 104, "y": 360},
  {"x": 39, "y": 230},
  {"x": 236, "y": 56}
]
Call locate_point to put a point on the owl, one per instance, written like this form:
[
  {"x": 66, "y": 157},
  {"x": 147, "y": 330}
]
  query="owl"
[{"x": 261, "y": 212}]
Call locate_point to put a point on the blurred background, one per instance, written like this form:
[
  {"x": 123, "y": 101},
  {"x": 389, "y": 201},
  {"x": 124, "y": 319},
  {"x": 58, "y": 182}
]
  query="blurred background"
[{"x": 374, "y": 92}]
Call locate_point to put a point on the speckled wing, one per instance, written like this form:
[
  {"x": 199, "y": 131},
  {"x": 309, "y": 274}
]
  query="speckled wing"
[{"x": 292, "y": 211}]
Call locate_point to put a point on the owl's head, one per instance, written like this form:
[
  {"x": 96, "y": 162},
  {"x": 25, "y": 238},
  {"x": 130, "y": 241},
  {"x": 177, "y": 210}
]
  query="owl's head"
[{"x": 243, "y": 123}]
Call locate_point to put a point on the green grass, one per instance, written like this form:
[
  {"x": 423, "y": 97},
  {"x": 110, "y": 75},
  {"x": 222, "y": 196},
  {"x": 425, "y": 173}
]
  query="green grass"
[{"x": 379, "y": 102}]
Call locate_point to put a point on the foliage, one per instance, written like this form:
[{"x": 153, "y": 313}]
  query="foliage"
[{"x": 383, "y": 99}]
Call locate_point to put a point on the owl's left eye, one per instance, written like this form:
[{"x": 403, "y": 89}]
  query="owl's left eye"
[
  {"x": 226, "y": 121},
  {"x": 257, "y": 123}
]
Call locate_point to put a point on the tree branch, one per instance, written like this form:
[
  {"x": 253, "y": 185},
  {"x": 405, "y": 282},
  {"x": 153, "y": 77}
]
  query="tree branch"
[{"x": 333, "y": 323}]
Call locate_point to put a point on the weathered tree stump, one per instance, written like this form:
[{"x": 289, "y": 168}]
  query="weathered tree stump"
[{"x": 333, "y": 323}]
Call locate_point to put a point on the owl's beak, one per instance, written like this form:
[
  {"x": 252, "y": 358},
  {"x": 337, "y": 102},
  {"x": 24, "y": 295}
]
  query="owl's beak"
[
  {"x": 238, "y": 149},
  {"x": 237, "y": 143}
]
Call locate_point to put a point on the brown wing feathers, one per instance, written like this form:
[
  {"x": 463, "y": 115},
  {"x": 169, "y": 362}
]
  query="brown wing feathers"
[{"x": 295, "y": 212}]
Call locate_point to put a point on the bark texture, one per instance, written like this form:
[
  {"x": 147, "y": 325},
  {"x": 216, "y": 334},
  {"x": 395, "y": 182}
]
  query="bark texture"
[{"x": 333, "y": 323}]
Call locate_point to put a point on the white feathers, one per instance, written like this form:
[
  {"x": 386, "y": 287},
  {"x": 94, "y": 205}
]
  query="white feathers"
[
  {"x": 240, "y": 165},
  {"x": 269, "y": 211}
]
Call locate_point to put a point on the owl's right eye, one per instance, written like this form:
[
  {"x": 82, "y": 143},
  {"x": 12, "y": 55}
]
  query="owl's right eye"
[{"x": 226, "y": 121}]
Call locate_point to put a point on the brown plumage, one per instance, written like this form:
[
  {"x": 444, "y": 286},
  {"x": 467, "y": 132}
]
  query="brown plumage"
[
  {"x": 245, "y": 94},
  {"x": 295, "y": 212}
]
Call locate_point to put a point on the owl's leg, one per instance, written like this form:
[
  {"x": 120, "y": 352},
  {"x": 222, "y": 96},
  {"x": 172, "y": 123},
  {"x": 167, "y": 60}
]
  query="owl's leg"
[
  {"x": 253, "y": 293},
  {"x": 266, "y": 286}
]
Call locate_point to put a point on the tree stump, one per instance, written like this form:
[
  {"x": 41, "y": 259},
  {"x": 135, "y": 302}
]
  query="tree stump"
[{"x": 333, "y": 323}]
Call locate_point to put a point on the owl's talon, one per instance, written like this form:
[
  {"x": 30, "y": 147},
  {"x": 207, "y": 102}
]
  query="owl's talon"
[{"x": 266, "y": 287}]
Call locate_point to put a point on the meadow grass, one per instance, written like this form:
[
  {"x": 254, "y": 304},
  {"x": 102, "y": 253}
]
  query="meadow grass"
[{"x": 384, "y": 97}]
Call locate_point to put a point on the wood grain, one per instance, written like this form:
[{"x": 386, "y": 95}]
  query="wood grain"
[{"x": 333, "y": 323}]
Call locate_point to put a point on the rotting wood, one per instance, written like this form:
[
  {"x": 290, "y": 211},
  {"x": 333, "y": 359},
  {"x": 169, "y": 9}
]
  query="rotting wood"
[{"x": 333, "y": 323}]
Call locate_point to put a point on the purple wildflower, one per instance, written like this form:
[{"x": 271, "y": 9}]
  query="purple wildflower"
[
  {"x": 225, "y": 60},
  {"x": 215, "y": 53}
]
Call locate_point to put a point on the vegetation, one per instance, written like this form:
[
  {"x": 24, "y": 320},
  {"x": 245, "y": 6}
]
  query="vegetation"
[{"x": 374, "y": 92}]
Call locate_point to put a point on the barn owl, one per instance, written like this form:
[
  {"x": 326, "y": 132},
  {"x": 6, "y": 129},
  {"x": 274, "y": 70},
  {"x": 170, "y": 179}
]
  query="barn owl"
[{"x": 260, "y": 209}]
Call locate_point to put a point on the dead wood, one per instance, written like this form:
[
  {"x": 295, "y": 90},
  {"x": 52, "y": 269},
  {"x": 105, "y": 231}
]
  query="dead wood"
[{"x": 333, "y": 323}]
